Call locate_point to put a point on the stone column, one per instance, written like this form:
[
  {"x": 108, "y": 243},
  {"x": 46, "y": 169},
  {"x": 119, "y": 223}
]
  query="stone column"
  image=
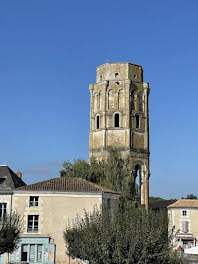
[
  {"x": 104, "y": 111},
  {"x": 146, "y": 191}
]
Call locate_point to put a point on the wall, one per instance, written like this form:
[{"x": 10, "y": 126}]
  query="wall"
[{"x": 56, "y": 212}]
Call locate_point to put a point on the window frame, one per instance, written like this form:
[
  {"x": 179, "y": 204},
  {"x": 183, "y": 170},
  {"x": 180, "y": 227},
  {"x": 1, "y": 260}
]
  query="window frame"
[
  {"x": 97, "y": 121},
  {"x": 116, "y": 121},
  {"x": 184, "y": 213},
  {"x": 137, "y": 121},
  {"x": 3, "y": 210},
  {"x": 185, "y": 226},
  {"x": 32, "y": 228},
  {"x": 34, "y": 202}
]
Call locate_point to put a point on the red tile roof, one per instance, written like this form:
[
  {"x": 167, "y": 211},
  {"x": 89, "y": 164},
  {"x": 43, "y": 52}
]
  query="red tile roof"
[
  {"x": 184, "y": 203},
  {"x": 66, "y": 185}
]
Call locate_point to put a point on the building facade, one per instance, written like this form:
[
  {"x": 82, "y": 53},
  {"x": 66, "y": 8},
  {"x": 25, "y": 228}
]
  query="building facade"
[
  {"x": 47, "y": 209},
  {"x": 183, "y": 215},
  {"x": 9, "y": 181},
  {"x": 119, "y": 117}
]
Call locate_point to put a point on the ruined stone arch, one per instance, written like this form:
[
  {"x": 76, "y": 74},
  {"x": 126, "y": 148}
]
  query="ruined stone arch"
[{"x": 138, "y": 173}]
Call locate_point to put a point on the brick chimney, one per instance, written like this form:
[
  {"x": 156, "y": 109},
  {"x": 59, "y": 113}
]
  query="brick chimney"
[{"x": 19, "y": 174}]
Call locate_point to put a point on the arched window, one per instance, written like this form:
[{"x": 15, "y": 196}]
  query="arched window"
[
  {"x": 137, "y": 121},
  {"x": 97, "y": 122},
  {"x": 116, "y": 120},
  {"x": 138, "y": 182}
]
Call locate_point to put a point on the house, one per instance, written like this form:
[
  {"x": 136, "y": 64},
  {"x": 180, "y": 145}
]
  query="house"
[
  {"x": 161, "y": 205},
  {"x": 47, "y": 208},
  {"x": 9, "y": 181},
  {"x": 183, "y": 219}
]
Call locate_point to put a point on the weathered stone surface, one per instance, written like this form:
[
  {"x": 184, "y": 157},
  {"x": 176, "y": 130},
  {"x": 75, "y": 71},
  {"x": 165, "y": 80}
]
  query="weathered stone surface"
[{"x": 119, "y": 101}]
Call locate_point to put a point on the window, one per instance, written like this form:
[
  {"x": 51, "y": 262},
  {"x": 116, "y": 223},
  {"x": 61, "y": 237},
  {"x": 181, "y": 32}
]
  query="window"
[
  {"x": 39, "y": 253},
  {"x": 33, "y": 221},
  {"x": 3, "y": 207},
  {"x": 24, "y": 252},
  {"x": 135, "y": 76},
  {"x": 34, "y": 201},
  {"x": 184, "y": 213},
  {"x": 32, "y": 252},
  {"x": 108, "y": 203},
  {"x": 116, "y": 74},
  {"x": 116, "y": 120},
  {"x": 137, "y": 121},
  {"x": 97, "y": 122},
  {"x": 185, "y": 226}
]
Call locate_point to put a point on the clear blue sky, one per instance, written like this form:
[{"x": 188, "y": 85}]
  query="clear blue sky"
[{"x": 49, "y": 51}]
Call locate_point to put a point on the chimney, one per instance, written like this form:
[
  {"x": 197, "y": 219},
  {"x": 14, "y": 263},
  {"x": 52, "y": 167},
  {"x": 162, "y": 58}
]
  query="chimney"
[{"x": 19, "y": 174}]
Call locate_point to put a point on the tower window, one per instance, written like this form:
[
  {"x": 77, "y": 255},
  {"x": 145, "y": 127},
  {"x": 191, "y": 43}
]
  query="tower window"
[
  {"x": 137, "y": 121},
  {"x": 100, "y": 77},
  {"x": 135, "y": 76},
  {"x": 116, "y": 74},
  {"x": 97, "y": 122},
  {"x": 116, "y": 120}
]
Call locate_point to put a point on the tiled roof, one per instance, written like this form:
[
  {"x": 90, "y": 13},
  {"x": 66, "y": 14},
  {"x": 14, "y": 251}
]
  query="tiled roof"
[
  {"x": 8, "y": 179},
  {"x": 184, "y": 203},
  {"x": 66, "y": 185},
  {"x": 161, "y": 204}
]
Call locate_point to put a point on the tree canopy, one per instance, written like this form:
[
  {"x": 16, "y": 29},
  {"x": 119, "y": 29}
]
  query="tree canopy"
[
  {"x": 10, "y": 229},
  {"x": 113, "y": 173},
  {"x": 131, "y": 236},
  {"x": 191, "y": 196}
]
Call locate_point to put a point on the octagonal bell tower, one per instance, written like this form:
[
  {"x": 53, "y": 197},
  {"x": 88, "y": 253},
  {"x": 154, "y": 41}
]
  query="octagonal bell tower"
[{"x": 119, "y": 117}]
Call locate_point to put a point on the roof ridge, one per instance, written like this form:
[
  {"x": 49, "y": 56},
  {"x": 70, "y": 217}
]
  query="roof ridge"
[{"x": 66, "y": 184}]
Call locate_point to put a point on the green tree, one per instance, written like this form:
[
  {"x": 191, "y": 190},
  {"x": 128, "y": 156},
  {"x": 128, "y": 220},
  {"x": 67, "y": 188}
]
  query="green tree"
[
  {"x": 113, "y": 173},
  {"x": 153, "y": 199},
  {"x": 131, "y": 236},
  {"x": 10, "y": 229},
  {"x": 191, "y": 196}
]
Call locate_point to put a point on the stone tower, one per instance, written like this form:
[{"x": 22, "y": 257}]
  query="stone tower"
[{"x": 119, "y": 117}]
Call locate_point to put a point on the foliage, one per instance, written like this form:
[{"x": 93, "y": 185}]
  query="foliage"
[
  {"x": 113, "y": 173},
  {"x": 10, "y": 229},
  {"x": 131, "y": 236},
  {"x": 191, "y": 196},
  {"x": 153, "y": 199}
]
